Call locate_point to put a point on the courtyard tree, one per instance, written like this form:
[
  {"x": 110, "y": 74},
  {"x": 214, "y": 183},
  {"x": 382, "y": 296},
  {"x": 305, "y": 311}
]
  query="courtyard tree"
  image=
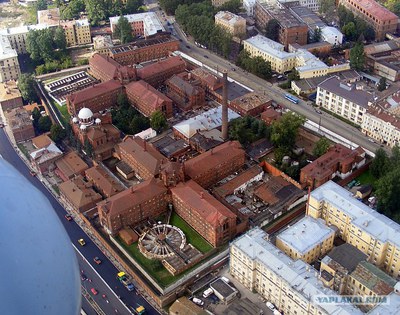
[
  {"x": 44, "y": 124},
  {"x": 41, "y": 5},
  {"x": 133, "y": 6},
  {"x": 57, "y": 134},
  {"x": 73, "y": 9},
  {"x": 380, "y": 164},
  {"x": 272, "y": 29},
  {"x": 248, "y": 129},
  {"x": 158, "y": 121},
  {"x": 26, "y": 85},
  {"x": 59, "y": 38},
  {"x": 388, "y": 193},
  {"x": 321, "y": 147},
  {"x": 284, "y": 131},
  {"x": 357, "y": 57},
  {"x": 123, "y": 30},
  {"x": 88, "y": 147},
  {"x": 122, "y": 100},
  {"x": 350, "y": 31},
  {"x": 382, "y": 84}
]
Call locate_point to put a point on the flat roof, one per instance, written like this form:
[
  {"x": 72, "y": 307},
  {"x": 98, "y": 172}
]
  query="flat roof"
[
  {"x": 305, "y": 234},
  {"x": 151, "y": 22},
  {"x": 22, "y": 29},
  {"x": 49, "y": 16},
  {"x": 269, "y": 46},
  {"x": 222, "y": 288},
  {"x": 229, "y": 17},
  {"x": 282, "y": 14},
  {"x": 298, "y": 275},
  {"x": 377, "y": 225},
  {"x": 9, "y": 90},
  {"x": 6, "y": 51}
]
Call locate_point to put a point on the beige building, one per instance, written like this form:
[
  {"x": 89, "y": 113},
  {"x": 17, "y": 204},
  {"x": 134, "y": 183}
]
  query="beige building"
[
  {"x": 293, "y": 286},
  {"x": 102, "y": 44},
  {"x": 232, "y": 23},
  {"x": 9, "y": 65},
  {"x": 369, "y": 231},
  {"x": 77, "y": 32},
  {"x": 308, "y": 239},
  {"x": 218, "y": 3},
  {"x": 10, "y": 96},
  {"x": 17, "y": 36}
]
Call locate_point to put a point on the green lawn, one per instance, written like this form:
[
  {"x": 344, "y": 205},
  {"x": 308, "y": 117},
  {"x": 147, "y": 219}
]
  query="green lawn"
[
  {"x": 366, "y": 178},
  {"x": 192, "y": 236},
  {"x": 63, "y": 110}
]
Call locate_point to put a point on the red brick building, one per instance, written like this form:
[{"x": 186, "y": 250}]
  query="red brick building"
[
  {"x": 70, "y": 165},
  {"x": 104, "y": 182},
  {"x": 104, "y": 68},
  {"x": 212, "y": 166},
  {"x": 97, "y": 97},
  {"x": 270, "y": 115},
  {"x": 338, "y": 161},
  {"x": 157, "y": 73},
  {"x": 290, "y": 29},
  {"x": 210, "y": 218},
  {"x": 156, "y": 47},
  {"x": 19, "y": 120},
  {"x": 141, "y": 156},
  {"x": 10, "y": 96},
  {"x": 146, "y": 99},
  {"x": 134, "y": 205},
  {"x": 208, "y": 81},
  {"x": 184, "y": 93},
  {"x": 250, "y": 104}
]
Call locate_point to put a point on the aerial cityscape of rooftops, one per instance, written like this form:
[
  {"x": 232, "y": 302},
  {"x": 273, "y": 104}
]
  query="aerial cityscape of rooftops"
[{"x": 215, "y": 157}]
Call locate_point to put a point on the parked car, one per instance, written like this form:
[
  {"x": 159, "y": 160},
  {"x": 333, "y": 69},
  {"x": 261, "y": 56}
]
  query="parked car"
[
  {"x": 68, "y": 217},
  {"x": 82, "y": 242},
  {"x": 208, "y": 292},
  {"x": 97, "y": 260},
  {"x": 198, "y": 301},
  {"x": 94, "y": 291},
  {"x": 270, "y": 306},
  {"x": 32, "y": 173}
]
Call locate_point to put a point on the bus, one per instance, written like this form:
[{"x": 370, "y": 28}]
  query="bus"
[{"x": 291, "y": 98}]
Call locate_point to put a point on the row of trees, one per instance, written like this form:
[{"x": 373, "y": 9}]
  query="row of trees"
[
  {"x": 46, "y": 45},
  {"x": 255, "y": 65},
  {"x": 198, "y": 20},
  {"x": 354, "y": 28},
  {"x": 248, "y": 129},
  {"x": 123, "y": 30},
  {"x": 26, "y": 85}
]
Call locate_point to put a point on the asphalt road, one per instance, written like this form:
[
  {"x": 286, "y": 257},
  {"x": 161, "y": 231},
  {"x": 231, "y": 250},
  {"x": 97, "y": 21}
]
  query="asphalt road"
[{"x": 105, "y": 271}]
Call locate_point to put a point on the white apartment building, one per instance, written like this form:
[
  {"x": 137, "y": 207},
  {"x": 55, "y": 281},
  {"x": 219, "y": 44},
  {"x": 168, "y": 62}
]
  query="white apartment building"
[
  {"x": 17, "y": 36},
  {"x": 345, "y": 99},
  {"x": 313, "y": 5},
  {"x": 248, "y": 5},
  {"x": 232, "y": 23},
  {"x": 331, "y": 35},
  {"x": 293, "y": 286},
  {"x": 143, "y": 24},
  {"x": 306, "y": 63},
  {"x": 9, "y": 65}
]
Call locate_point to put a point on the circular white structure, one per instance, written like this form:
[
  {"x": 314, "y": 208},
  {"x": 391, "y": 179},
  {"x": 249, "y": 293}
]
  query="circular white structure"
[
  {"x": 98, "y": 121},
  {"x": 85, "y": 113},
  {"x": 75, "y": 120},
  {"x": 161, "y": 241},
  {"x": 82, "y": 127}
]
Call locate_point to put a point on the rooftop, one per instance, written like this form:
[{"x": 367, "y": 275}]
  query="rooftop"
[
  {"x": 9, "y": 90},
  {"x": 183, "y": 306},
  {"x": 18, "y": 118},
  {"x": 305, "y": 234},
  {"x": 41, "y": 141},
  {"x": 183, "y": 85},
  {"x": 298, "y": 275},
  {"x": 22, "y": 29},
  {"x": 71, "y": 164},
  {"x": 157, "y": 68},
  {"x": 46, "y": 153},
  {"x": 269, "y": 47},
  {"x": 150, "y": 20},
  {"x": 229, "y": 17},
  {"x": 345, "y": 255},
  {"x": 49, "y": 16},
  {"x": 251, "y": 100},
  {"x": 385, "y": 116},
  {"x": 391, "y": 308},
  {"x": 377, "y": 225},
  {"x": 6, "y": 51},
  {"x": 380, "y": 12},
  {"x": 307, "y": 16},
  {"x": 103, "y": 180},
  {"x": 222, "y": 288},
  {"x": 282, "y": 15}
]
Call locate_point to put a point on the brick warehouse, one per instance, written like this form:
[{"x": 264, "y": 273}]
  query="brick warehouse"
[
  {"x": 185, "y": 93},
  {"x": 104, "y": 68}
]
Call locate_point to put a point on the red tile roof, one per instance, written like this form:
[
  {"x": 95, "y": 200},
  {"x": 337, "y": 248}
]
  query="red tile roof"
[
  {"x": 378, "y": 10},
  {"x": 94, "y": 91},
  {"x": 103, "y": 180},
  {"x": 160, "y": 66},
  {"x": 105, "y": 63},
  {"x": 199, "y": 200},
  {"x": 71, "y": 164},
  {"x": 149, "y": 95}
]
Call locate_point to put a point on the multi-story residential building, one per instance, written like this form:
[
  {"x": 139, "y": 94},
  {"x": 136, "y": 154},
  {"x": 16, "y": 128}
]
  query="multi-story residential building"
[
  {"x": 250, "y": 104},
  {"x": 19, "y": 120},
  {"x": 338, "y": 161},
  {"x": 104, "y": 68},
  {"x": 158, "y": 72},
  {"x": 143, "y": 24},
  {"x": 77, "y": 32},
  {"x": 104, "y": 181},
  {"x": 156, "y": 47},
  {"x": 102, "y": 44},
  {"x": 9, "y": 65},
  {"x": 17, "y": 36},
  {"x": 307, "y": 239},
  {"x": 307, "y": 65},
  {"x": 312, "y": 5},
  {"x": 141, "y": 202},
  {"x": 70, "y": 166},
  {"x": 79, "y": 194},
  {"x": 185, "y": 93},
  {"x": 381, "y": 19},
  {"x": 371, "y": 232},
  {"x": 141, "y": 156},
  {"x": 293, "y": 286},
  {"x": 232, "y": 23},
  {"x": 290, "y": 29},
  {"x": 381, "y": 126},
  {"x": 212, "y": 166},
  {"x": 147, "y": 100},
  {"x": 210, "y": 218},
  {"x": 338, "y": 264},
  {"x": 10, "y": 96},
  {"x": 98, "y": 97},
  {"x": 345, "y": 99},
  {"x": 248, "y": 6}
]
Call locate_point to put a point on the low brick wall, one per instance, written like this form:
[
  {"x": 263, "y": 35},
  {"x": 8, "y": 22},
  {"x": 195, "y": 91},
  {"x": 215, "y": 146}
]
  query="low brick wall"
[{"x": 270, "y": 169}]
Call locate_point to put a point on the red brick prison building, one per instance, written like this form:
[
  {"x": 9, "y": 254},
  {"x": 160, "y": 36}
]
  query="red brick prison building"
[{"x": 104, "y": 68}]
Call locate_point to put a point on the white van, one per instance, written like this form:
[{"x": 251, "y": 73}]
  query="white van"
[
  {"x": 207, "y": 293},
  {"x": 225, "y": 279}
]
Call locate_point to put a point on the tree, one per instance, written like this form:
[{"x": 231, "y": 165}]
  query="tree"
[
  {"x": 57, "y": 134},
  {"x": 32, "y": 46},
  {"x": 118, "y": 7},
  {"x": 247, "y": 130},
  {"x": 272, "y": 30},
  {"x": 44, "y": 124},
  {"x": 41, "y": 5},
  {"x": 123, "y": 30},
  {"x": 231, "y": 6},
  {"x": 388, "y": 193},
  {"x": 350, "y": 31},
  {"x": 59, "y": 38},
  {"x": 36, "y": 116},
  {"x": 357, "y": 57},
  {"x": 132, "y": 6},
  {"x": 98, "y": 10},
  {"x": 122, "y": 100},
  {"x": 73, "y": 10},
  {"x": 382, "y": 84},
  {"x": 284, "y": 131},
  {"x": 321, "y": 147},
  {"x": 316, "y": 35},
  {"x": 26, "y": 85},
  {"x": 327, "y": 6},
  {"x": 88, "y": 148},
  {"x": 158, "y": 121},
  {"x": 380, "y": 164}
]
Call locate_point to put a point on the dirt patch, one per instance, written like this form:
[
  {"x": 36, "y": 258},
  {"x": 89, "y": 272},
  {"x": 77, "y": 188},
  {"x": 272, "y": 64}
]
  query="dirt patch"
[{"x": 12, "y": 15}]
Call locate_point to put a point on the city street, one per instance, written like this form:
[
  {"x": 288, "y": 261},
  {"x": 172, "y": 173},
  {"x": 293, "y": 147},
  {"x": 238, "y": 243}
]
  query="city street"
[{"x": 106, "y": 271}]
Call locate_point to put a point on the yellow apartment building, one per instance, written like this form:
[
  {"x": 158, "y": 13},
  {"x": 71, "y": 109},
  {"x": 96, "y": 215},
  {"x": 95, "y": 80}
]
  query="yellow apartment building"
[
  {"x": 77, "y": 32},
  {"x": 232, "y": 23},
  {"x": 9, "y": 65}
]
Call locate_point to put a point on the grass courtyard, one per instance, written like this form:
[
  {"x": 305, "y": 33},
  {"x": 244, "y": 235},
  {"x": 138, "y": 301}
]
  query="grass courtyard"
[{"x": 366, "y": 178}]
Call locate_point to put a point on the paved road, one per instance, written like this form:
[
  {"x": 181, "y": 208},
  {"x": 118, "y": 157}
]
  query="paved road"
[{"x": 106, "y": 270}]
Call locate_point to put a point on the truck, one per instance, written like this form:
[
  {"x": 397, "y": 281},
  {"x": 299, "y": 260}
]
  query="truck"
[{"x": 122, "y": 277}]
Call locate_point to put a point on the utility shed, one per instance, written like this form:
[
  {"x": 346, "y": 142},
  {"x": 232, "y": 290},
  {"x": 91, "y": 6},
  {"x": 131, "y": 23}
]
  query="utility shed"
[{"x": 223, "y": 291}]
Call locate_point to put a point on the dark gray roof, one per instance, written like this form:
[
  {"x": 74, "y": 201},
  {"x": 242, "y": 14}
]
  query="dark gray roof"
[
  {"x": 259, "y": 148},
  {"x": 234, "y": 91},
  {"x": 347, "y": 91},
  {"x": 347, "y": 255},
  {"x": 201, "y": 141},
  {"x": 222, "y": 288}
]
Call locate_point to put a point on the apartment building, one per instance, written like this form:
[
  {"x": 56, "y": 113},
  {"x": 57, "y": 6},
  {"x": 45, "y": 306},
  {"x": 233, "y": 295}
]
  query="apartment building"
[
  {"x": 147, "y": 100},
  {"x": 312, "y": 5},
  {"x": 10, "y": 96},
  {"x": 251, "y": 104},
  {"x": 290, "y": 29},
  {"x": 9, "y": 65},
  {"x": 158, "y": 46},
  {"x": 212, "y": 166},
  {"x": 77, "y": 32},
  {"x": 369, "y": 231},
  {"x": 17, "y": 36},
  {"x": 210, "y": 218},
  {"x": 102, "y": 44},
  {"x": 98, "y": 97},
  {"x": 19, "y": 120},
  {"x": 232, "y": 23},
  {"x": 143, "y": 24},
  {"x": 348, "y": 100},
  {"x": 307, "y": 239},
  {"x": 381, "y": 19},
  {"x": 291, "y": 285}
]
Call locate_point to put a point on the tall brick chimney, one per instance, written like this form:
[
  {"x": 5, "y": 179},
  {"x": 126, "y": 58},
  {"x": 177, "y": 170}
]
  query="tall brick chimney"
[{"x": 225, "y": 106}]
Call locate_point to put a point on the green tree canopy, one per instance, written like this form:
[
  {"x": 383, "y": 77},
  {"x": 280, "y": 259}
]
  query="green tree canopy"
[
  {"x": 36, "y": 116},
  {"x": 349, "y": 30},
  {"x": 257, "y": 65},
  {"x": 380, "y": 164},
  {"x": 284, "y": 131},
  {"x": 57, "y": 134},
  {"x": 247, "y": 130},
  {"x": 382, "y": 84},
  {"x": 122, "y": 100},
  {"x": 73, "y": 9},
  {"x": 59, "y": 38},
  {"x": 388, "y": 192},
  {"x": 44, "y": 124},
  {"x": 231, "y": 6},
  {"x": 123, "y": 30},
  {"x": 98, "y": 10},
  {"x": 158, "y": 121},
  {"x": 41, "y": 5},
  {"x": 357, "y": 57},
  {"x": 321, "y": 147},
  {"x": 272, "y": 29},
  {"x": 26, "y": 85},
  {"x": 327, "y": 6},
  {"x": 133, "y": 6}
]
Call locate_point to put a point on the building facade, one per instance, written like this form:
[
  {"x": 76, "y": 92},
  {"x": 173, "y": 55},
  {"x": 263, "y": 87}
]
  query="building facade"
[
  {"x": 250, "y": 104},
  {"x": 232, "y": 23},
  {"x": 19, "y": 120},
  {"x": 9, "y": 65},
  {"x": 10, "y": 96},
  {"x": 77, "y": 32},
  {"x": 104, "y": 68}
]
